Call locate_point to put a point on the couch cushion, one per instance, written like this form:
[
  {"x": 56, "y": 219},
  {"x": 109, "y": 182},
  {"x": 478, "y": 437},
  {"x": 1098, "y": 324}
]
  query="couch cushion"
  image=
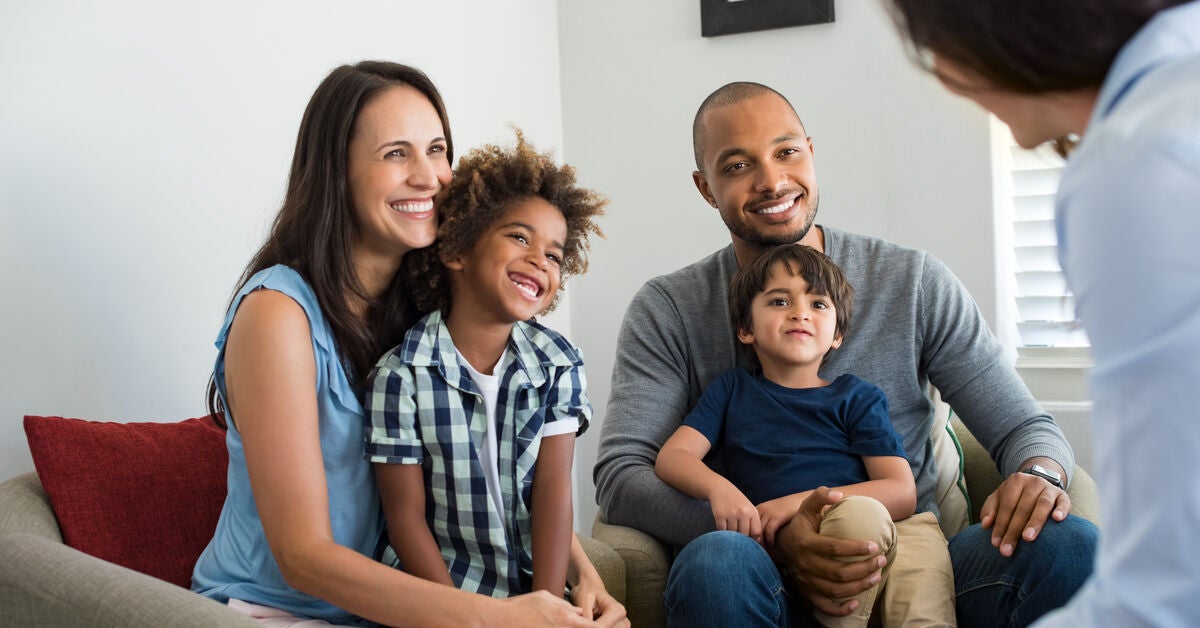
[
  {"x": 954, "y": 503},
  {"x": 142, "y": 495}
]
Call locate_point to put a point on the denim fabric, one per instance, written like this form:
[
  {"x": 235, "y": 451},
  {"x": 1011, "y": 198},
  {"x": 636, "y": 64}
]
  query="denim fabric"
[
  {"x": 1039, "y": 577},
  {"x": 724, "y": 579}
]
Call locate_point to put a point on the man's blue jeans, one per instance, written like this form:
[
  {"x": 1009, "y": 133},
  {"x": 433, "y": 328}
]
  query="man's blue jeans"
[
  {"x": 1039, "y": 577},
  {"x": 726, "y": 579}
]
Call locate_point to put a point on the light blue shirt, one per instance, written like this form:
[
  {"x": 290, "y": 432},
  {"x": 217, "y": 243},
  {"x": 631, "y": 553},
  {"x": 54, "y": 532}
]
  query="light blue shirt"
[
  {"x": 1129, "y": 237},
  {"x": 238, "y": 562}
]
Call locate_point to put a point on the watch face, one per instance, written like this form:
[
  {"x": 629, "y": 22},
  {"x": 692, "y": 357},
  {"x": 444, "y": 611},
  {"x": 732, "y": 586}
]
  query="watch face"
[{"x": 1046, "y": 474}]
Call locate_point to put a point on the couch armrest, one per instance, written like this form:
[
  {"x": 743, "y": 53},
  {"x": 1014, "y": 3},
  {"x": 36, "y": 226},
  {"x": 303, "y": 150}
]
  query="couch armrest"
[
  {"x": 608, "y": 563},
  {"x": 1085, "y": 496},
  {"x": 25, "y": 508},
  {"x": 983, "y": 478},
  {"x": 46, "y": 583},
  {"x": 647, "y": 562}
]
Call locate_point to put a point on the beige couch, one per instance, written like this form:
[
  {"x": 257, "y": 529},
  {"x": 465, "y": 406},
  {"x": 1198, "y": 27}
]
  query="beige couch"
[
  {"x": 44, "y": 582},
  {"x": 647, "y": 560}
]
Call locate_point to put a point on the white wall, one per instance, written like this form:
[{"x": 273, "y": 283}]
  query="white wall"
[
  {"x": 144, "y": 148},
  {"x": 896, "y": 157}
]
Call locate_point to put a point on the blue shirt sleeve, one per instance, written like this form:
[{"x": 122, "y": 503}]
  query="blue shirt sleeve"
[
  {"x": 869, "y": 425},
  {"x": 708, "y": 417}
]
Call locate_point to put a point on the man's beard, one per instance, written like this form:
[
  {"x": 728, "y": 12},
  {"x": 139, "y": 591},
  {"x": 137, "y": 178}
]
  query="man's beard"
[{"x": 750, "y": 234}]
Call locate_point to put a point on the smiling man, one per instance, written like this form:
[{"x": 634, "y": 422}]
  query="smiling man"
[
  {"x": 915, "y": 324},
  {"x": 765, "y": 199}
]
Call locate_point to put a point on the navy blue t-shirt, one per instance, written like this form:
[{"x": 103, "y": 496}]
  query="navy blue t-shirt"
[{"x": 774, "y": 441}]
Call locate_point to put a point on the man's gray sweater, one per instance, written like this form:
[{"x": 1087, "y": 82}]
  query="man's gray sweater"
[{"x": 914, "y": 323}]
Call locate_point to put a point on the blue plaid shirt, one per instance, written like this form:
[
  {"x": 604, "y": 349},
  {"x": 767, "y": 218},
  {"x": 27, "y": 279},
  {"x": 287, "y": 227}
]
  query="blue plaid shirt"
[{"x": 425, "y": 409}]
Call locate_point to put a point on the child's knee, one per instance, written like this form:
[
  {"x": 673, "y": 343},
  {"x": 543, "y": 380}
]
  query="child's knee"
[{"x": 861, "y": 518}]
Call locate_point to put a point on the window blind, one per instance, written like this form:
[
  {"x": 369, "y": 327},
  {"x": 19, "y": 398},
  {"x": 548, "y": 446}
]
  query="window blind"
[{"x": 1045, "y": 308}]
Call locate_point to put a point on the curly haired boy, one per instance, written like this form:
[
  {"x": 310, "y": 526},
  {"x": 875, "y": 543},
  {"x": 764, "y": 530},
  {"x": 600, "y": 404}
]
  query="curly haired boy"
[{"x": 473, "y": 417}]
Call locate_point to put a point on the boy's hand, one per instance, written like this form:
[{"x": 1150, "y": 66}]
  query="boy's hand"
[
  {"x": 776, "y": 513},
  {"x": 590, "y": 596},
  {"x": 732, "y": 511}
]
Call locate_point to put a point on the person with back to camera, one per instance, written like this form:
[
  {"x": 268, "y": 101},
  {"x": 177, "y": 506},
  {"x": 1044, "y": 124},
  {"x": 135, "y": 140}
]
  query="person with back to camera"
[
  {"x": 915, "y": 325},
  {"x": 1121, "y": 77},
  {"x": 782, "y": 431},
  {"x": 298, "y": 538},
  {"x": 473, "y": 417}
]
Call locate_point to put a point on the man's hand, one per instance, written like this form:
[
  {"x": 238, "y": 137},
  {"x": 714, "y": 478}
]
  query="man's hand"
[
  {"x": 813, "y": 561},
  {"x": 1020, "y": 506},
  {"x": 733, "y": 511}
]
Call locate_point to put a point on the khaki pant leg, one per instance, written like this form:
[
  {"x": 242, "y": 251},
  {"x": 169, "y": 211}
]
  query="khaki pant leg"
[
  {"x": 920, "y": 587},
  {"x": 863, "y": 519}
]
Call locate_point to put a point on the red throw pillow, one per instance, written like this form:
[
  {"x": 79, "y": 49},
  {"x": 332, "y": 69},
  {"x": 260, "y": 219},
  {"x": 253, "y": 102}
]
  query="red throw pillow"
[{"x": 142, "y": 495}]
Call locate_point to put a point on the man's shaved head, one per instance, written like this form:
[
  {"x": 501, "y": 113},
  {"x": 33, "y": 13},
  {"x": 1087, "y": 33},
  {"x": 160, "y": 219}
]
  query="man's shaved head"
[{"x": 728, "y": 94}]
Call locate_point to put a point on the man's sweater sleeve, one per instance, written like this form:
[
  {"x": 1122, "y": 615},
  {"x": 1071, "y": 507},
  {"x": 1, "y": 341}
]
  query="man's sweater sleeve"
[
  {"x": 966, "y": 364},
  {"x": 650, "y": 396}
]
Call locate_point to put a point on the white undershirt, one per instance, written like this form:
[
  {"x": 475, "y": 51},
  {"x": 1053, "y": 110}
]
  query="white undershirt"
[{"x": 489, "y": 459}]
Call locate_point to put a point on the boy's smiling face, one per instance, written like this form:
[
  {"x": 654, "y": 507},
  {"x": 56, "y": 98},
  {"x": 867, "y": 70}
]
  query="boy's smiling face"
[
  {"x": 512, "y": 273},
  {"x": 790, "y": 327}
]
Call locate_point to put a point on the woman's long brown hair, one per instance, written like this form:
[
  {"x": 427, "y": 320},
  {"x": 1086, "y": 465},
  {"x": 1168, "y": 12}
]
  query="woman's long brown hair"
[{"x": 314, "y": 229}]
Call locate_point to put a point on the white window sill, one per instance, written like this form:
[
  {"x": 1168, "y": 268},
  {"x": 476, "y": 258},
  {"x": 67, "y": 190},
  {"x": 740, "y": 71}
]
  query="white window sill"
[{"x": 1054, "y": 358}]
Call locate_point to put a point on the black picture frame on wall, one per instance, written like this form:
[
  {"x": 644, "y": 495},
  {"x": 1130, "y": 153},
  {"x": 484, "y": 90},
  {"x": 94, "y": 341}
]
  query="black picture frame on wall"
[{"x": 726, "y": 17}]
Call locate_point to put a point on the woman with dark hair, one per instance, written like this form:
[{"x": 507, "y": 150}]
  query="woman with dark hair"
[
  {"x": 300, "y": 533},
  {"x": 1116, "y": 85}
]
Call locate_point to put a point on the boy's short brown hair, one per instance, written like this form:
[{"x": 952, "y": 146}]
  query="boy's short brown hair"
[{"x": 820, "y": 273}]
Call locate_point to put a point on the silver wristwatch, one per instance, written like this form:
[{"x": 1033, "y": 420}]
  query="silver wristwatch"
[{"x": 1052, "y": 477}]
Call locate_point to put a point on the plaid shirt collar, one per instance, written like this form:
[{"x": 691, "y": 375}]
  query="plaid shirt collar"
[{"x": 534, "y": 351}]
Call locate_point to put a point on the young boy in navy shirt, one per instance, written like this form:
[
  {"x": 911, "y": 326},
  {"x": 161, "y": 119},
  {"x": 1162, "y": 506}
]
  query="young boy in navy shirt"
[{"x": 782, "y": 431}]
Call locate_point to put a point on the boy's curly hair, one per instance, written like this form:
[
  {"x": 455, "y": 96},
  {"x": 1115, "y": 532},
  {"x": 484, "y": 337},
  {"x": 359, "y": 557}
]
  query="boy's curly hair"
[{"x": 487, "y": 182}]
